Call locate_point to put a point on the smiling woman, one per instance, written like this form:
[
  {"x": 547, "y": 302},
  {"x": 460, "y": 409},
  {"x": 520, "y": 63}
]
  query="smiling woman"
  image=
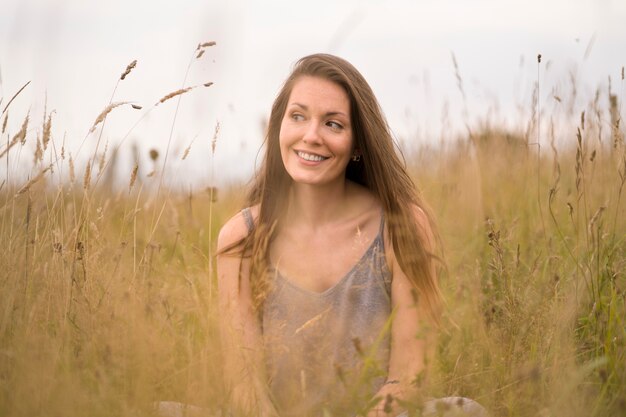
[
  {"x": 315, "y": 134},
  {"x": 328, "y": 294}
]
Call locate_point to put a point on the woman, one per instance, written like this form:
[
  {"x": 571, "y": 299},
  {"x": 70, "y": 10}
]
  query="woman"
[{"x": 327, "y": 279}]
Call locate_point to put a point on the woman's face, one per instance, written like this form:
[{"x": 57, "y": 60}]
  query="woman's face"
[{"x": 316, "y": 141}]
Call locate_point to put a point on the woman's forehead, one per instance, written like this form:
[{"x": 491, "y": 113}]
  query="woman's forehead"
[{"x": 309, "y": 92}]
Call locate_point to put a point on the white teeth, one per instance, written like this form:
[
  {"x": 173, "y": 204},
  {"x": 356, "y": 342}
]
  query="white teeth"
[{"x": 311, "y": 157}]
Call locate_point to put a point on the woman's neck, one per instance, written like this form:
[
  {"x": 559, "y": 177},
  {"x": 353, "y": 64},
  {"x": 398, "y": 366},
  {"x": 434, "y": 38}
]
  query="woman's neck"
[{"x": 317, "y": 206}]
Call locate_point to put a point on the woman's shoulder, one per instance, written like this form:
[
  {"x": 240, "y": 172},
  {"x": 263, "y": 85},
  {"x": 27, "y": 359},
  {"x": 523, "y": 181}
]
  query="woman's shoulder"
[
  {"x": 363, "y": 197},
  {"x": 237, "y": 227}
]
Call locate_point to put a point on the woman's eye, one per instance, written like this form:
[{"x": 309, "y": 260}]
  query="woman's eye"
[
  {"x": 297, "y": 117},
  {"x": 334, "y": 125}
]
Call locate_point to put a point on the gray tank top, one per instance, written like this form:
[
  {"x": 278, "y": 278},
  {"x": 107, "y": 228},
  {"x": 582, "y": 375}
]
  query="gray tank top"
[{"x": 328, "y": 350}]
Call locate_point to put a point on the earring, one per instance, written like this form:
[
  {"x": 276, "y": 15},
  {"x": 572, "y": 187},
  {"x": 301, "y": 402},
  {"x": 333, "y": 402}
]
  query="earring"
[{"x": 356, "y": 158}]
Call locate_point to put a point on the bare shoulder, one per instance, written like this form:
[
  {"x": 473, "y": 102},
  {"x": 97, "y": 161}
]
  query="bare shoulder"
[{"x": 235, "y": 229}]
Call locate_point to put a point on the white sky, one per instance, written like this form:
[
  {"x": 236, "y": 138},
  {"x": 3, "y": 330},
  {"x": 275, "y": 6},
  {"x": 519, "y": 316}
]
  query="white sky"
[{"x": 74, "y": 51}]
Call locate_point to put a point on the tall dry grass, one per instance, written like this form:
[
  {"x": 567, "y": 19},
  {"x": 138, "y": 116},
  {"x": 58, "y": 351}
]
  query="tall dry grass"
[{"x": 108, "y": 298}]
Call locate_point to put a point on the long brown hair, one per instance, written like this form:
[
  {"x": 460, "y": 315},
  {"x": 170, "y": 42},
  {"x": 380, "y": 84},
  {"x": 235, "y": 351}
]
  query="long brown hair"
[{"x": 380, "y": 170}]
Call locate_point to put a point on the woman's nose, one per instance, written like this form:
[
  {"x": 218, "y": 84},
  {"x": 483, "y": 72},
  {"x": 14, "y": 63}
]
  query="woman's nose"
[{"x": 311, "y": 135}]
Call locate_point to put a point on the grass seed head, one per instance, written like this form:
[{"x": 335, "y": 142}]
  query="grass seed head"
[
  {"x": 214, "y": 140},
  {"x": 30, "y": 183},
  {"x": 72, "y": 171},
  {"x": 4, "y": 123},
  {"x": 21, "y": 135},
  {"x": 582, "y": 120},
  {"x": 173, "y": 94},
  {"x": 212, "y": 192},
  {"x": 128, "y": 69},
  {"x": 133, "y": 176},
  {"x": 38, "y": 151},
  {"x": 45, "y": 139},
  {"x": 205, "y": 45},
  {"x": 104, "y": 114},
  {"x": 102, "y": 160},
  {"x": 154, "y": 154},
  {"x": 186, "y": 153},
  {"x": 87, "y": 177}
]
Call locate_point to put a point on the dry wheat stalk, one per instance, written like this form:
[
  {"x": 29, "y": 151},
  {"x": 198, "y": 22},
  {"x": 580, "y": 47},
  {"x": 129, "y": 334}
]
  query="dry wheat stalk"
[
  {"x": 30, "y": 183},
  {"x": 47, "y": 126},
  {"x": 133, "y": 176},
  {"x": 72, "y": 172},
  {"x": 102, "y": 160},
  {"x": 174, "y": 94},
  {"x": 6, "y": 150},
  {"x": 38, "y": 151},
  {"x": 201, "y": 48},
  {"x": 104, "y": 113},
  {"x": 188, "y": 149},
  {"x": 19, "y": 137},
  {"x": 582, "y": 120},
  {"x": 206, "y": 45},
  {"x": 128, "y": 69},
  {"x": 214, "y": 140},
  {"x": 186, "y": 153},
  {"x": 87, "y": 177},
  {"x": 312, "y": 321},
  {"x": 14, "y": 96},
  {"x": 457, "y": 74},
  {"x": 181, "y": 91}
]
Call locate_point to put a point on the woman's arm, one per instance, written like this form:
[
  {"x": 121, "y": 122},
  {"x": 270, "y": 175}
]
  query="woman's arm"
[
  {"x": 242, "y": 342},
  {"x": 411, "y": 334}
]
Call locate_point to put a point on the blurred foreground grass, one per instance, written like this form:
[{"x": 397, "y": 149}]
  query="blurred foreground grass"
[{"x": 108, "y": 297}]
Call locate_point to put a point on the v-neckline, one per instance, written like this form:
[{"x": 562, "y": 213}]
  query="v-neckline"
[{"x": 342, "y": 279}]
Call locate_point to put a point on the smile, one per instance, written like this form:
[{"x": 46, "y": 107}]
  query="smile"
[{"x": 310, "y": 156}]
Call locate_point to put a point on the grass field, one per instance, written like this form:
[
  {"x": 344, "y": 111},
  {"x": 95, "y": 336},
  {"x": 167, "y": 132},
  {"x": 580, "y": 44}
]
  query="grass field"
[{"x": 108, "y": 296}]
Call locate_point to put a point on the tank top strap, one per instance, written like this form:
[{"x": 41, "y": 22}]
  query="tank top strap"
[
  {"x": 381, "y": 228},
  {"x": 247, "y": 216}
]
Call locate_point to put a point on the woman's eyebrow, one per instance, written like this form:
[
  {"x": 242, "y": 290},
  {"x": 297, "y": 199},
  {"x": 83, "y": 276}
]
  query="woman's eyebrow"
[
  {"x": 302, "y": 106},
  {"x": 330, "y": 113}
]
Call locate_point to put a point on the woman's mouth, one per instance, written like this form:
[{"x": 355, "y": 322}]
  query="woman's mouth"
[{"x": 311, "y": 156}]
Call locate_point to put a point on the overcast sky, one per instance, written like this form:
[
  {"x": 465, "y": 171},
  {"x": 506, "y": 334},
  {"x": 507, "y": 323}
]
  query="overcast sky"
[{"x": 73, "y": 51}]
